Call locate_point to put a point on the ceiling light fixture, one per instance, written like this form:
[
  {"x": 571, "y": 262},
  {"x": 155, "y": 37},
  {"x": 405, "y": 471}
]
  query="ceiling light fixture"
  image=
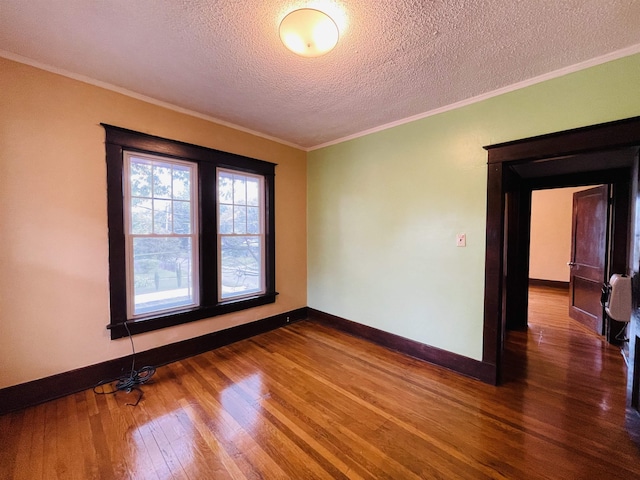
[{"x": 308, "y": 32}]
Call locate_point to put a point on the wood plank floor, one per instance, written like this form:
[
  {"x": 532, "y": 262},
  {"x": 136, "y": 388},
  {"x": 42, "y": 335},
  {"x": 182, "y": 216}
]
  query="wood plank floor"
[{"x": 306, "y": 402}]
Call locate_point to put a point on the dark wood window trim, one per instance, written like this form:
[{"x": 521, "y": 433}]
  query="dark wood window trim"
[{"x": 119, "y": 140}]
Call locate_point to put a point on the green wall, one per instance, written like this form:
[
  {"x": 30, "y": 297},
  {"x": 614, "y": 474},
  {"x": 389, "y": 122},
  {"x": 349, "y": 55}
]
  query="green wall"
[{"x": 384, "y": 209}]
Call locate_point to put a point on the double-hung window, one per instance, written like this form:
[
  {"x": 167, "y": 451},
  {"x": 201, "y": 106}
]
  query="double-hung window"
[
  {"x": 161, "y": 234},
  {"x": 191, "y": 231},
  {"x": 240, "y": 234}
]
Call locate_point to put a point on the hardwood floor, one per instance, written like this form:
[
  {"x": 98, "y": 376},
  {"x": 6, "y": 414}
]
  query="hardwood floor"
[{"x": 307, "y": 402}]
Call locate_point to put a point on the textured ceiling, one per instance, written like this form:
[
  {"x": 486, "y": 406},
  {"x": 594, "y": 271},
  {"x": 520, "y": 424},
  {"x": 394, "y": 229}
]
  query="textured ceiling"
[{"x": 395, "y": 58}]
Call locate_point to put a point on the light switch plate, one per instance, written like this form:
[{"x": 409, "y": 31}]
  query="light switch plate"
[{"x": 461, "y": 240}]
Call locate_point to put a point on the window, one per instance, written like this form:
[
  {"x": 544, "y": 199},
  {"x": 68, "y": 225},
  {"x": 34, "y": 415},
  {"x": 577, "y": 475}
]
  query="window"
[
  {"x": 191, "y": 232},
  {"x": 161, "y": 234},
  {"x": 240, "y": 234}
]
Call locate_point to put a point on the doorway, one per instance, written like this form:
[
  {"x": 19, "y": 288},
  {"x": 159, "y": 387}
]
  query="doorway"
[
  {"x": 570, "y": 247},
  {"x": 605, "y": 153},
  {"x": 517, "y": 228}
]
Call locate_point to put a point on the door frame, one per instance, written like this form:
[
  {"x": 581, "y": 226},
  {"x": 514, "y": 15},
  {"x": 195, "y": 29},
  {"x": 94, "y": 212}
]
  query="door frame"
[{"x": 509, "y": 211}]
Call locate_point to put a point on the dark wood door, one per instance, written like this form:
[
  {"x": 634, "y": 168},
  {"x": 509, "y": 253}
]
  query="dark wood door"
[{"x": 588, "y": 256}]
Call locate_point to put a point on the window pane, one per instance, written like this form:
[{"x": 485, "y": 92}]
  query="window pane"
[
  {"x": 162, "y": 273},
  {"x": 239, "y": 219},
  {"x": 161, "y": 181},
  {"x": 241, "y": 265},
  {"x": 225, "y": 188},
  {"x": 140, "y": 178},
  {"x": 253, "y": 220},
  {"x": 162, "y": 252},
  {"x": 226, "y": 219},
  {"x": 181, "y": 217},
  {"x": 253, "y": 191},
  {"x": 181, "y": 183},
  {"x": 141, "y": 216},
  {"x": 239, "y": 190},
  {"x": 240, "y": 214},
  {"x": 162, "y": 216}
]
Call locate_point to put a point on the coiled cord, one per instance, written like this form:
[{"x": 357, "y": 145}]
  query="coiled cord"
[{"x": 130, "y": 382}]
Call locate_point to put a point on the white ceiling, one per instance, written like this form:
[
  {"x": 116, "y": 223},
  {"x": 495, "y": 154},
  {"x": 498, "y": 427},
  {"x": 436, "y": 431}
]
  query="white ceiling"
[{"x": 395, "y": 58}]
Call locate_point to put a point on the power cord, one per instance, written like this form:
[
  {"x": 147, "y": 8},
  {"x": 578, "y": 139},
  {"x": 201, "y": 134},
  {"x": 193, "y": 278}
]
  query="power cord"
[
  {"x": 622, "y": 334},
  {"x": 130, "y": 382}
]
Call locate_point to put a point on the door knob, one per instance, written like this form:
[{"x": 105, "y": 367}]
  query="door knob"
[{"x": 571, "y": 264}]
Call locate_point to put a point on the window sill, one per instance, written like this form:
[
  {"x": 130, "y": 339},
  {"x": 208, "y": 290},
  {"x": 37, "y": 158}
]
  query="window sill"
[{"x": 149, "y": 324}]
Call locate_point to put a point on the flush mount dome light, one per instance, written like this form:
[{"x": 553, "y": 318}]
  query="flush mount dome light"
[{"x": 308, "y": 32}]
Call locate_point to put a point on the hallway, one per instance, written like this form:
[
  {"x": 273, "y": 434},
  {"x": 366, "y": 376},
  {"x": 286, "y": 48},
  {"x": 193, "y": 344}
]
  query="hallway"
[{"x": 579, "y": 378}]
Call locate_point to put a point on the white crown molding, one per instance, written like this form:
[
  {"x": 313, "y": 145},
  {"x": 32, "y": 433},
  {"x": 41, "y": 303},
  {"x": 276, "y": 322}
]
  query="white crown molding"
[
  {"x": 625, "y": 52},
  {"x": 138, "y": 96}
]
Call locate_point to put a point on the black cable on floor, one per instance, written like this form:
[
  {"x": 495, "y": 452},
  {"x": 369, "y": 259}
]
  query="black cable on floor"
[
  {"x": 129, "y": 382},
  {"x": 622, "y": 334}
]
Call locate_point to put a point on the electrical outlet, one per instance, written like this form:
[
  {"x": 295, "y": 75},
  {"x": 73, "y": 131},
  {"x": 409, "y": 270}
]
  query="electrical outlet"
[{"x": 461, "y": 240}]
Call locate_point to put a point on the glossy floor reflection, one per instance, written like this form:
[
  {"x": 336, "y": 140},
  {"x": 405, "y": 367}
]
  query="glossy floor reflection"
[{"x": 307, "y": 402}]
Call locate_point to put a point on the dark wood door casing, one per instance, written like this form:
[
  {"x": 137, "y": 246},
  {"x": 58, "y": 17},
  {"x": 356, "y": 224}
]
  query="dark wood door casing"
[
  {"x": 588, "y": 256},
  {"x": 555, "y": 147},
  {"x": 518, "y": 233}
]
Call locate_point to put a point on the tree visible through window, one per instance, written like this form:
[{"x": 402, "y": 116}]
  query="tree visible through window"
[
  {"x": 162, "y": 242},
  {"x": 191, "y": 232},
  {"x": 240, "y": 234}
]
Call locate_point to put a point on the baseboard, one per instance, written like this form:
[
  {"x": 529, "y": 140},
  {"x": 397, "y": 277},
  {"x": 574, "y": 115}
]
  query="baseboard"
[
  {"x": 38, "y": 391},
  {"x": 49, "y": 388},
  {"x": 536, "y": 282},
  {"x": 469, "y": 367}
]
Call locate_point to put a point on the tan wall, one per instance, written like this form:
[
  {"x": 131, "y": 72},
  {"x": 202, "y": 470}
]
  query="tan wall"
[
  {"x": 54, "y": 292},
  {"x": 550, "y": 249}
]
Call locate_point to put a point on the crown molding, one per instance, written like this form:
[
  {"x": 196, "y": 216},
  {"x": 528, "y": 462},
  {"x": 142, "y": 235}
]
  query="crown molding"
[
  {"x": 616, "y": 55},
  {"x": 138, "y": 96}
]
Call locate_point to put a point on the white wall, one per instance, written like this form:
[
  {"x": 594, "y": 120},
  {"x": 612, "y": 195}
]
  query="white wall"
[{"x": 550, "y": 250}]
